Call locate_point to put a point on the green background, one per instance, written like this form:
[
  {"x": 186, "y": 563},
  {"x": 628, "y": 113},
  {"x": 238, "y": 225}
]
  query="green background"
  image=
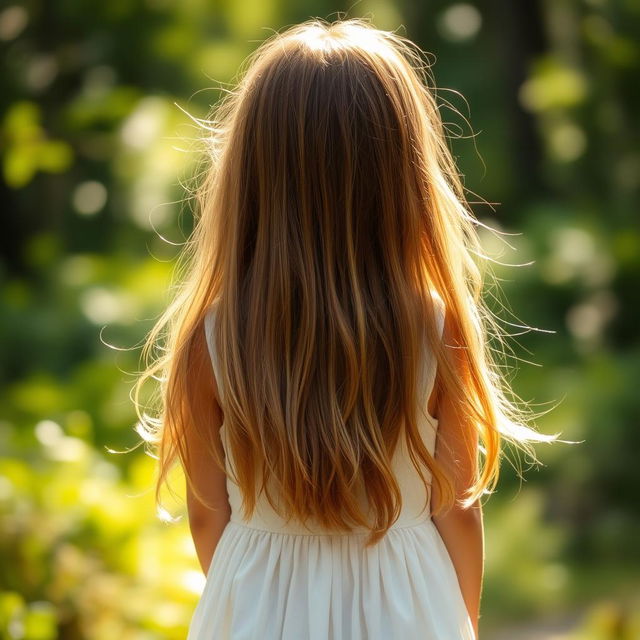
[{"x": 96, "y": 151}]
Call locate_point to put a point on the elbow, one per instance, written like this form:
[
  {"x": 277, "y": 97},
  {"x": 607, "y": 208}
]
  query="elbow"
[
  {"x": 199, "y": 522},
  {"x": 207, "y": 518},
  {"x": 200, "y": 516},
  {"x": 465, "y": 517}
]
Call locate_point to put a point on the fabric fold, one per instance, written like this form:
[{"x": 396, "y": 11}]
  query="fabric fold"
[{"x": 269, "y": 586}]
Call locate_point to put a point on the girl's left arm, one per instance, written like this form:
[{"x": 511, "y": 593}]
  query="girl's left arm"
[{"x": 206, "y": 524}]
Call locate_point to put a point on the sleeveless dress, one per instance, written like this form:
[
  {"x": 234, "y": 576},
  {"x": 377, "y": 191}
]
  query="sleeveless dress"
[{"x": 269, "y": 580}]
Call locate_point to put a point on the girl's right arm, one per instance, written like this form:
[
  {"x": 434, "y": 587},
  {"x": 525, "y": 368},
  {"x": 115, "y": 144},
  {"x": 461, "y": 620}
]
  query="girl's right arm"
[{"x": 461, "y": 530}]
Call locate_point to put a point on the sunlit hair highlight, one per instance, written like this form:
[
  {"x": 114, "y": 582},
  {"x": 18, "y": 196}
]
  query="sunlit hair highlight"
[{"x": 330, "y": 212}]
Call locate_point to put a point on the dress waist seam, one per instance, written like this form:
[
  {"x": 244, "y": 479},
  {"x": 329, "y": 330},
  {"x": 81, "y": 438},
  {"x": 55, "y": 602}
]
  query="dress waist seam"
[{"x": 357, "y": 532}]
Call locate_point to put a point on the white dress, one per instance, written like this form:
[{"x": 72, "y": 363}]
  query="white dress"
[{"x": 271, "y": 581}]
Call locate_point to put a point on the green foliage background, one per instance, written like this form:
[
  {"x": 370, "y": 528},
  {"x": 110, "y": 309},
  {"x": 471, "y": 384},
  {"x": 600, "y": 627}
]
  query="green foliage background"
[{"x": 96, "y": 148}]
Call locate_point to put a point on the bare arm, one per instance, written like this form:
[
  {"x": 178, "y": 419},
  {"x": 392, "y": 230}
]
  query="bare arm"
[
  {"x": 462, "y": 530},
  {"x": 206, "y": 525}
]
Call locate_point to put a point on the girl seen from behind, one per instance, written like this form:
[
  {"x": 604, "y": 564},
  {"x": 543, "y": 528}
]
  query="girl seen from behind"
[{"x": 325, "y": 376}]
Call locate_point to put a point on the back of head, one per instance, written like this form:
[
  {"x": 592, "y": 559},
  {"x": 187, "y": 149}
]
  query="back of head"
[{"x": 330, "y": 215}]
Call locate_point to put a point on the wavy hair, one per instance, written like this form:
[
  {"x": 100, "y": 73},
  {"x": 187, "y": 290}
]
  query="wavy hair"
[{"x": 329, "y": 214}]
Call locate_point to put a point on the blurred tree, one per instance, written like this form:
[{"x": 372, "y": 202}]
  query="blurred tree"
[{"x": 96, "y": 152}]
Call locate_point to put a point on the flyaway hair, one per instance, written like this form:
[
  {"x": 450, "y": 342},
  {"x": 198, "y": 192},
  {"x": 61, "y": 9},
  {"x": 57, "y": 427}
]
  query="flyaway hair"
[{"x": 330, "y": 221}]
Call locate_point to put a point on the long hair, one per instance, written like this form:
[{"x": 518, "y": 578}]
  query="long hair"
[{"x": 330, "y": 214}]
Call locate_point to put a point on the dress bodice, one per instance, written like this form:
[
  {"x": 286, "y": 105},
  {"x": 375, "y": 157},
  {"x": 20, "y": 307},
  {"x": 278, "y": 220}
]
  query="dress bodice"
[{"x": 415, "y": 502}]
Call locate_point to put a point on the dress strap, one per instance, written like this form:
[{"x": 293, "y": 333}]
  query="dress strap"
[
  {"x": 439, "y": 307},
  {"x": 429, "y": 361},
  {"x": 209, "y": 330}
]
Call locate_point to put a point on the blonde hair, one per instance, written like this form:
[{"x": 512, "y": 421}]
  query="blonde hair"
[{"x": 330, "y": 213}]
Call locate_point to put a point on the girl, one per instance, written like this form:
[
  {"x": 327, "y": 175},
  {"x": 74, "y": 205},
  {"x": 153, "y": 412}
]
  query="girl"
[{"x": 326, "y": 381}]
